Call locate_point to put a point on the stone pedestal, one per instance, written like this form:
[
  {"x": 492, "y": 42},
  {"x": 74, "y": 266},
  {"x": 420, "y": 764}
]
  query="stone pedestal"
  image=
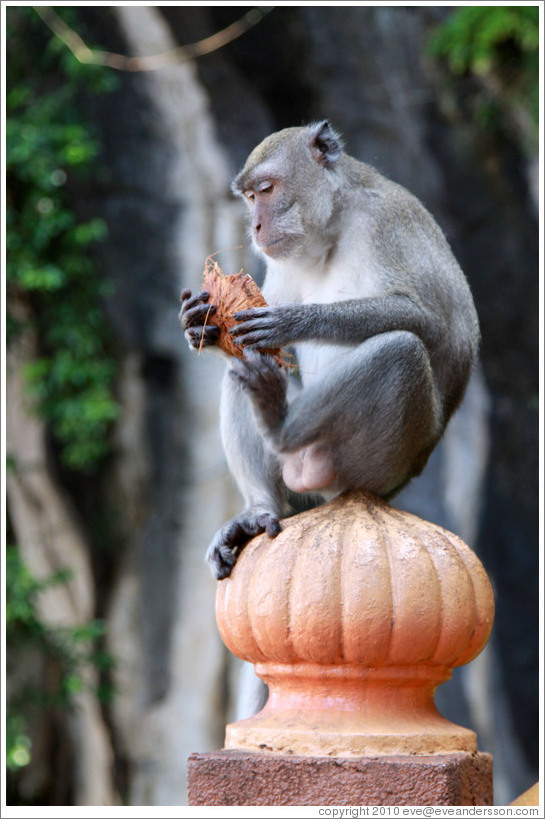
[
  {"x": 353, "y": 616},
  {"x": 245, "y": 778}
]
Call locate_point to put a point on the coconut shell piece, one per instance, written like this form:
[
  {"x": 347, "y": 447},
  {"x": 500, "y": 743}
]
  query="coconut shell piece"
[{"x": 230, "y": 293}]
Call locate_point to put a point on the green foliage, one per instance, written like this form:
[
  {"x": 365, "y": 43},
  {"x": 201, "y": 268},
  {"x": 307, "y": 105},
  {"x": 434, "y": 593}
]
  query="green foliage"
[
  {"x": 49, "y": 151},
  {"x": 496, "y": 41},
  {"x": 50, "y": 272},
  {"x": 472, "y": 38},
  {"x": 18, "y": 743},
  {"x": 71, "y": 649}
]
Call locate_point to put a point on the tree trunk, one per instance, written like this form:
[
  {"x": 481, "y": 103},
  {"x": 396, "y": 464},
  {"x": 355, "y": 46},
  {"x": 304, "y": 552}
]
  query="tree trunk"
[{"x": 50, "y": 540}]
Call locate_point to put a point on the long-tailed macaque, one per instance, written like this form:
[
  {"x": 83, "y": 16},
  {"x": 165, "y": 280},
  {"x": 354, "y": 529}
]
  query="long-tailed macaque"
[{"x": 363, "y": 287}]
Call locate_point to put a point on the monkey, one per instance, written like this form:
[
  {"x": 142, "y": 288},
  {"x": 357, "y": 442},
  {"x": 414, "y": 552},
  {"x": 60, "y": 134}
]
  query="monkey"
[{"x": 363, "y": 287}]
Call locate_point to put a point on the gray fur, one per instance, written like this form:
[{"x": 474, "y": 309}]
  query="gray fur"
[{"x": 362, "y": 283}]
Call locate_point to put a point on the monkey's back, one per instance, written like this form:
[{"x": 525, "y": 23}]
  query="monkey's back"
[{"x": 414, "y": 258}]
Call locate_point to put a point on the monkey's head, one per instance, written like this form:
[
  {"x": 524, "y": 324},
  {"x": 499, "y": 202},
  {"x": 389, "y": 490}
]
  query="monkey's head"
[{"x": 290, "y": 183}]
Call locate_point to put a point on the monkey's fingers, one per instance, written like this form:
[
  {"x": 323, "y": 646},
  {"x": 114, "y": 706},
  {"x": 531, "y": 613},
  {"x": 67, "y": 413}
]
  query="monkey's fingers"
[
  {"x": 257, "y": 340},
  {"x": 189, "y": 301},
  {"x": 253, "y": 312},
  {"x": 198, "y": 337},
  {"x": 258, "y": 319},
  {"x": 249, "y": 333},
  {"x": 196, "y": 316},
  {"x": 262, "y": 329}
]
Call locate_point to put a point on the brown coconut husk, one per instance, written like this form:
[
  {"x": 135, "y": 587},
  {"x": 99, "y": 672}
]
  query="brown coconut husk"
[{"x": 230, "y": 293}]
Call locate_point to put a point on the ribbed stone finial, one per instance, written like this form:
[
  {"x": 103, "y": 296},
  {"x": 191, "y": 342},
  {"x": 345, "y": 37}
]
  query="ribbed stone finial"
[{"x": 353, "y": 616}]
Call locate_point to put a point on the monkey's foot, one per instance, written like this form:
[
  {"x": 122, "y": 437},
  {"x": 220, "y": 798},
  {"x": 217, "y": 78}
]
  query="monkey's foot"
[
  {"x": 230, "y": 540},
  {"x": 266, "y": 385}
]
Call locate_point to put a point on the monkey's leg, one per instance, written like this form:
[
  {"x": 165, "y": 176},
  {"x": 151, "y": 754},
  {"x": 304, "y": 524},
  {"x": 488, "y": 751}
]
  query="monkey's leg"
[
  {"x": 308, "y": 469},
  {"x": 257, "y": 471},
  {"x": 368, "y": 421},
  {"x": 376, "y": 414},
  {"x": 266, "y": 384}
]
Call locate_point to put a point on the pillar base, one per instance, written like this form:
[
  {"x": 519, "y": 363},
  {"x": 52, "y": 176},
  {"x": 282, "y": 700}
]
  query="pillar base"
[{"x": 233, "y": 777}]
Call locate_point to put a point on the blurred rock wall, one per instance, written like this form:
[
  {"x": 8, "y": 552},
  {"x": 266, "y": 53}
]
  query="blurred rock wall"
[{"x": 172, "y": 140}]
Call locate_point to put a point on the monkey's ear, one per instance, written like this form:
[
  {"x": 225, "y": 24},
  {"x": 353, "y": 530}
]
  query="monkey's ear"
[
  {"x": 325, "y": 144},
  {"x": 237, "y": 185}
]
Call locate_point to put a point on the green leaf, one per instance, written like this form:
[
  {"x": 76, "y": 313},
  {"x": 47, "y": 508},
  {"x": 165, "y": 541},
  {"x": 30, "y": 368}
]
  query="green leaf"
[
  {"x": 501, "y": 42},
  {"x": 49, "y": 277},
  {"x": 88, "y": 232},
  {"x": 49, "y": 148},
  {"x": 18, "y": 744}
]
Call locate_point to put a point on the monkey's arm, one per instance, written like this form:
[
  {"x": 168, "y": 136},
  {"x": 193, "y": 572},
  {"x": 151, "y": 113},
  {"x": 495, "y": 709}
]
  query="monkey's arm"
[{"x": 344, "y": 322}]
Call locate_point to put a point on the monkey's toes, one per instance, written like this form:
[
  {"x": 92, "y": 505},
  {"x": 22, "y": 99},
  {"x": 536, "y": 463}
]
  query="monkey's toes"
[
  {"x": 221, "y": 559},
  {"x": 269, "y": 523},
  {"x": 256, "y": 370},
  {"x": 243, "y": 373}
]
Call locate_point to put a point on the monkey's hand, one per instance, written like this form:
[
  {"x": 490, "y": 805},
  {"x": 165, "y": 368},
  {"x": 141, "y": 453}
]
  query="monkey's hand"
[
  {"x": 192, "y": 316},
  {"x": 269, "y": 327},
  {"x": 266, "y": 385},
  {"x": 230, "y": 540}
]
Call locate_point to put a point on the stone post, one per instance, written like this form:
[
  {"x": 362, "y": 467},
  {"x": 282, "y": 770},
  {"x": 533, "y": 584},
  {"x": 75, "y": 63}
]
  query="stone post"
[{"x": 353, "y": 616}]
